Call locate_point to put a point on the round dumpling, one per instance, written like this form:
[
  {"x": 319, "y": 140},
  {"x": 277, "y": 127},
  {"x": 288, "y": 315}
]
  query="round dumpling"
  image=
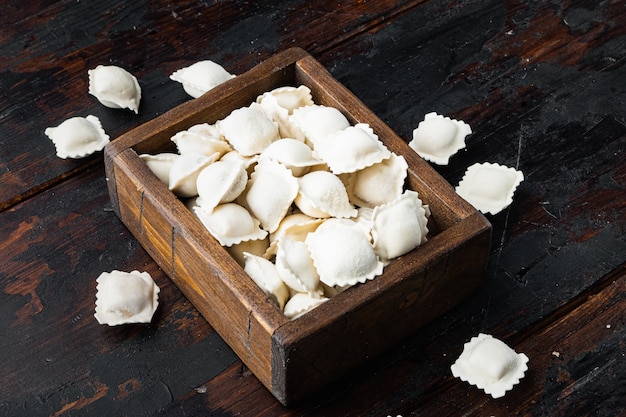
[
  {"x": 78, "y": 137},
  {"x": 437, "y": 138},
  {"x": 322, "y": 194},
  {"x": 125, "y": 297},
  {"x": 265, "y": 275},
  {"x": 201, "y": 77},
  {"x": 248, "y": 130},
  {"x": 184, "y": 173},
  {"x": 399, "y": 226},
  {"x": 316, "y": 122},
  {"x": 378, "y": 184},
  {"x": 221, "y": 182},
  {"x": 343, "y": 253},
  {"x": 351, "y": 149},
  {"x": 115, "y": 87},
  {"x": 271, "y": 191},
  {"x": 230, "y": 224}
]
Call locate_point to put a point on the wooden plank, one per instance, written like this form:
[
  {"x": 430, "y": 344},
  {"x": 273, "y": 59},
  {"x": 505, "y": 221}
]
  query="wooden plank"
[
  {"x": 55, "y": 44},
  {"x": 53, "y": 354},
  {"x": 576, "y": 365}
]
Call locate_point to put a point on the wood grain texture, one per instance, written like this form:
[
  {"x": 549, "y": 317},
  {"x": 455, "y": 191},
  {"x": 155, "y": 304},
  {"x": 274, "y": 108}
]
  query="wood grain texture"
[
  {"x": 53, "y": 45},
  {"x": 540, "y": 84}
]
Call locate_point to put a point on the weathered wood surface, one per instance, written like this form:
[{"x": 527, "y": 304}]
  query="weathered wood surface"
[{"x": 541, "y": 84}]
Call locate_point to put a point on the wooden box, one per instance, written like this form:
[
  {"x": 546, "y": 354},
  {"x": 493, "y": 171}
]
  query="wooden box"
[{"x": 295, "y": 358}]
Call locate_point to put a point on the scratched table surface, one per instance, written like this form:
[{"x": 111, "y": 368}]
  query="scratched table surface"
[{"x": 542, "y": 85}]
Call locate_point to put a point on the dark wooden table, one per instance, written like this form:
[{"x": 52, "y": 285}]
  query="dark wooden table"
[{"x": 543, "y": 86}]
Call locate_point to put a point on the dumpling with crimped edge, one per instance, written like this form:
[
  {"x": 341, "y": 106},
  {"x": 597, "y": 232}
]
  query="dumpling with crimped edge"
[
  {"x": 295, "y": 267},
  {"x": 489, "y": 187},
  {"x": 301, "y": 303},
  {"x": 351, "y": 149},
  {"x": 377, "y": 184},
  {"x": 200, "y": 77},
  {"x": 230, "y": 224},
  {"x": 125, "y": 297},
  {"x": 491, "y": 365},
  {"x": 322, "y": 195},
  {"x": 203, "y": 138},
  {"x": 294, "y": 226},
  {"x": 248, "y": 130},
  {"x": 249, "y": 162},
  {"x": 221, "y": 182},
  {"x": 184, "y": 173},
  {"x": 317, "y": 121},
  {"x": 399, "y": 226},
  {"x": 288, "y": 98},
  {"x": 437, "y": 138},
  {"x": 265, "y": 275},
  {"x": 270, "y": 192},
  {"x": 294, "y": 154},
  {"x": 342, "y": 253},
  {"x": 115, "y": 87},
  {"x": 78, "y": 137},
  {"x": 257, "y": 247},
  {"x": 280, "y": 103},
  {"x": 160, "y": 164}
]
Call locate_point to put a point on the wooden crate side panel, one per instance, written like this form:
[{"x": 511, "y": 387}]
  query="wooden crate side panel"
[
  {"x": 230, "y": 315},
  {"x": 464, "y": 270},
  {"x": 178, "y": 242},
  {"x": 139, "y": 215}
]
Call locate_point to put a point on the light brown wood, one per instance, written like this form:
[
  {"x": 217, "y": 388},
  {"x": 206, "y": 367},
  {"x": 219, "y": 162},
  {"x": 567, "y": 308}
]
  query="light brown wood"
[{"x": 295, "y": 358}]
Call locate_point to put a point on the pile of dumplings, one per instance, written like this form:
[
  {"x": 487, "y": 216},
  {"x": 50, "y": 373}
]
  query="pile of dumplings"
[{"x": 307, "y": 203}]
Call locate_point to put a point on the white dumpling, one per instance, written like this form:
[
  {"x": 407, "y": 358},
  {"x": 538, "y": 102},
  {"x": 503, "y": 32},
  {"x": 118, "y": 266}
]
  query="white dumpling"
[
  {"x": 351, "y": 149},
  {"x": 399, "y": 226},
  {"x": 437, "y": 138},
  {"x": 201, "y": 77},
  {"x": 230, "y": 224},
  {"x": 294, "y": 226},
  {"x": 301, "y": 303},
  {"x": 491, "y": 365},
  {"x": 256, "y": 247},
  {"x": 184, "y": 173},
  {"x": 294, "y": 154},
  {"x": 265, "y": 275},
  {"x": 342, "y": 253},
  {"x": 279, "y": 104},
  {"x": 288, "y": 98},
  {"x": 125, "y": 297},
  {"x": 115, "y": 87},
  {"x": 322, "y": 194},
  {"x": 203, "y": 139},
  {"x": 248, "y": 130},
  {"x": 160, "y": 164},
  {"x": 78, "y": 137},
  {"x": 378, "y": 184},
  {"x": 489, "y": 187},
  {"x": 221, "y": 182},
  {"x": 270, "y": 192},
  {"x": 295, "y": 267},
  {"x": 316, "y": 122}
]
